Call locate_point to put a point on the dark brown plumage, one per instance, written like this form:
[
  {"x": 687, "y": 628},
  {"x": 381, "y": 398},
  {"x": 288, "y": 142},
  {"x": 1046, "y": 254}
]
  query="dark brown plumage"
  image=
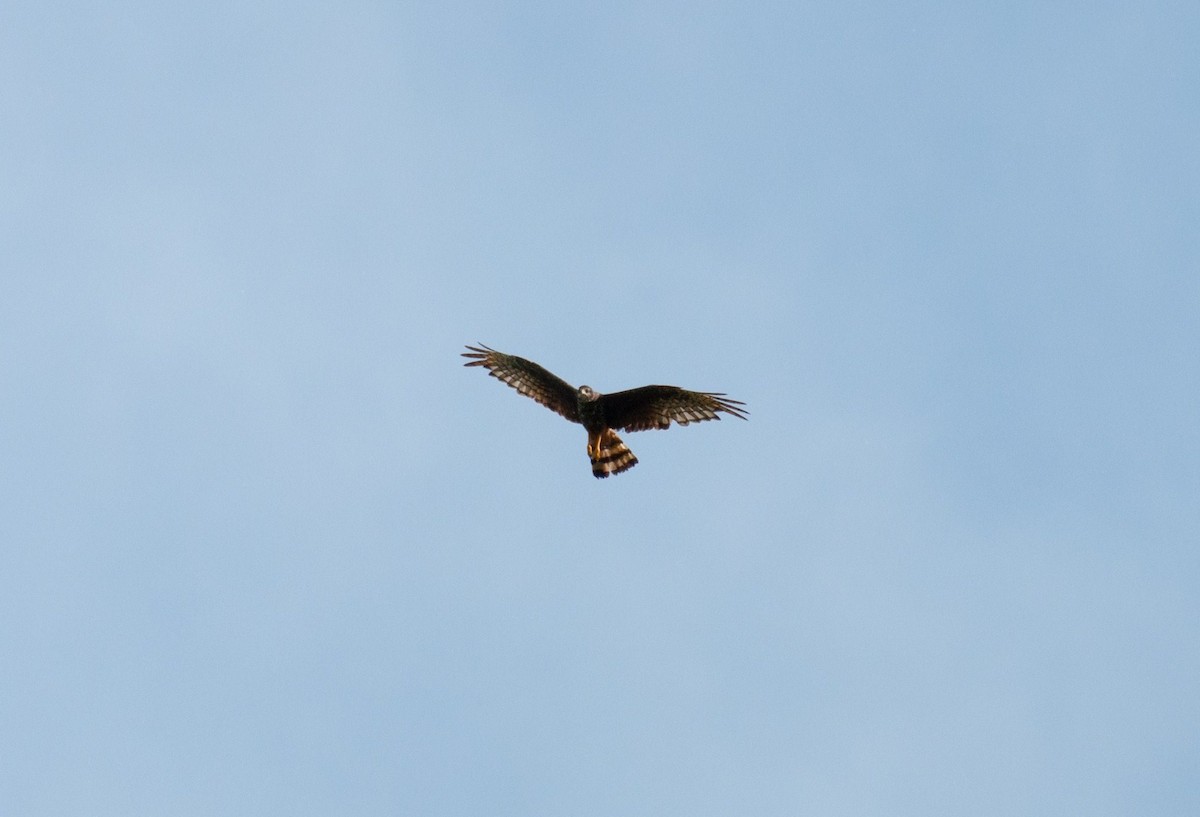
[{"x": 633, "y": 410}]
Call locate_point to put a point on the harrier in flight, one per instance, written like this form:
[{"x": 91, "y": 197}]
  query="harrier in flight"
[{"x": 632, "y": 410}]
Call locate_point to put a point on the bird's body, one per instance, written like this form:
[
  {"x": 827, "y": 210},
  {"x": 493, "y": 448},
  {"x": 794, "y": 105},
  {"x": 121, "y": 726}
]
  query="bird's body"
[
  {"x": 607, "y": 452},
  {"x": 633, "y": 410}
]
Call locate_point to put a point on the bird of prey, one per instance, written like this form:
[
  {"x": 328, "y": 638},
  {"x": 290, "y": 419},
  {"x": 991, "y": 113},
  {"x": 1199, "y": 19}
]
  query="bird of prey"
[{"x": 632, "y": 410}]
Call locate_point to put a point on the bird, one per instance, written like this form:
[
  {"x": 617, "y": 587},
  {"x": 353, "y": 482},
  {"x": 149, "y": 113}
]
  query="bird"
[{"x": 633, "y": 410}]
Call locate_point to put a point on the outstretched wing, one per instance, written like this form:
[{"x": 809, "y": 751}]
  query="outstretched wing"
[
  {"x": 657, "y": 406},
  {"x": 528, "y": 378}
]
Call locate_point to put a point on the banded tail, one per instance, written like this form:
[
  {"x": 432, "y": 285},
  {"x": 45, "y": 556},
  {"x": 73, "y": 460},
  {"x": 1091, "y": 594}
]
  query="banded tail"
[{"x": 609, "y": 455}]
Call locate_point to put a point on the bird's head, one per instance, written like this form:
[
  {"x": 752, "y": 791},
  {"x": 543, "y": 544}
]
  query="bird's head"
[{"x": 587, "y": 393}]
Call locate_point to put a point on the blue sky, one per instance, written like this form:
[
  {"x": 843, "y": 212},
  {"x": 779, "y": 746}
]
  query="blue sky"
[{"x": 268, "y": 548}]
